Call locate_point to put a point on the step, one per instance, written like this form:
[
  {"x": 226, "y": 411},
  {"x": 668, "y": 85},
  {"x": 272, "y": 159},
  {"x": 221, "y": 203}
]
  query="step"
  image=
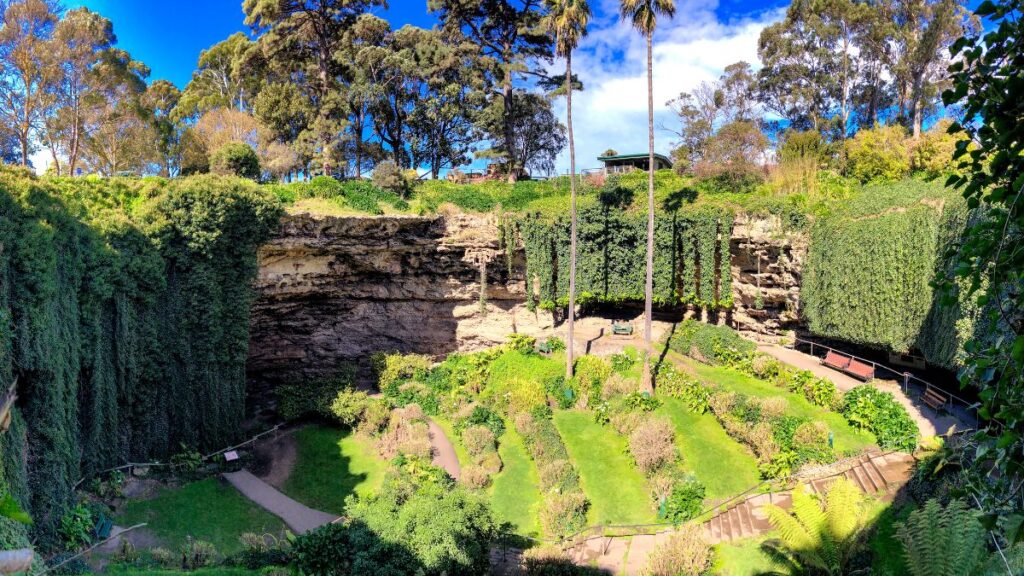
[
  {"x": 852, "y": 477},
  {"x": 734, "y": 525},
  {"x": 875, "y": 475},
  {"x": 716, "y": 528},
  {"x": 864, "y": 481}
]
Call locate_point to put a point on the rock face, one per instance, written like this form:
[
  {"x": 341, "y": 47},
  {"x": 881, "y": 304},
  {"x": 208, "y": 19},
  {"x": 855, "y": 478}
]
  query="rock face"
[
  {"x": 767, "y": 264},
  {"x": 333, "y": 290}
]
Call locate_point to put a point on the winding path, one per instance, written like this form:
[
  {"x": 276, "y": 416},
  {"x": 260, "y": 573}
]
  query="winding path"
[
  {"x": 299, "y": 517},
  {"x": 443, "y": 450}
]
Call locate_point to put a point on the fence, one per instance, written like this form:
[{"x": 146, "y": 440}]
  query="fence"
[{"x": 913, "y": 386}]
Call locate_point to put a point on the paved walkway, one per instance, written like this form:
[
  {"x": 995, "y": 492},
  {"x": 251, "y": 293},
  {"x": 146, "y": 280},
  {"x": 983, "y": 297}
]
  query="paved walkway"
[
  {"x": 299, "y": 517},
  {"x": 928, "y": 421},
  {"x": 444, "y": 452}
]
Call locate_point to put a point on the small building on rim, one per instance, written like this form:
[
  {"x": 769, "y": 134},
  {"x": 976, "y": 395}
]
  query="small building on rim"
[{"x": 620, "y": 163}]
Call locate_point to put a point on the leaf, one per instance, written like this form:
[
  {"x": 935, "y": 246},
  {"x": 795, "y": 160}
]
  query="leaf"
[{"x": 9, "y": 508}]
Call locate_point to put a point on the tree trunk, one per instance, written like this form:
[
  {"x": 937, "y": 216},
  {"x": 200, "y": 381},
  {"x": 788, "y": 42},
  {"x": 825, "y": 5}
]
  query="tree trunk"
[
  {"x": 648, "y": 384},
  {"x": 510, "y": 142},
  {"x": 569, "y": 349}
]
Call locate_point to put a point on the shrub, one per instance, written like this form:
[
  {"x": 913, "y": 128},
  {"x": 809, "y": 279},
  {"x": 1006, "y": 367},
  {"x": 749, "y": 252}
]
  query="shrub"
[
  {"x": 878, "y": 154},
  {"x": 765, "y": 367},
  {"x": 196, "y": 554},
  {"x": 475, "y": 477},
  {"x": 522, "y": 343},
  {"x": 685, "y": 553},
  {"x": 482, "y": 416},
  {"x": 563, "y": 513},
  {"x": 623, "y": 361},
  {"x": 781, "y": 465},
  {"x": 393, "y": 370},
  {"x": 558, "y": 475},
  {"x": 523, "y": 395},
  {"x": 76, "y": 527},
  {"x": 406, "y": 434},
  {"x": 388, "y": 176},
  {"x": 236, "y": 159},
  {"x": 349, "y": 406},
  {"x": 674, "y": 383},
  {"x": 878, "y": 412},
  {"x": 932, "y": 154},
  {"x": 652, "y": 445},
  {"x": 314, "y": 398},
  {"x": 491, "y": 462},
  {"x": 707, "y": 342},
  {"x": 641, "y": 401},
  {"x": 685, "y": 502},
  {"x": 478, "y": 440},
  {"x": 164, "y": 558},
  {"x": 810, "y": 442},
  {"x": 619, "y": 385},
  {"x": 590, "y": 373},
  {"x": 325, "y": 551},
  {"x": 626, "y": 421}
]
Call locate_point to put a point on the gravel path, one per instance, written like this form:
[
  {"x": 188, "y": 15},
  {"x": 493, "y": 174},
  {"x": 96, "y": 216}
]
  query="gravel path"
[
  {"x": 444, "y": 452},
  {"x": 299, "y": 517}
]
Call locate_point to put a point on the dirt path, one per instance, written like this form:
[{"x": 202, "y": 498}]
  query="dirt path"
[
  {"x": 928, "y": 421},
  {"x": 275, "y": 459},
  {"x": 444, "y": 452},
  {"x": 299, "y": 517}
]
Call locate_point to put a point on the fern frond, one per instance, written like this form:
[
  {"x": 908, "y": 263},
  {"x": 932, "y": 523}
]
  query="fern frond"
[{"x": 843, "y": 510}]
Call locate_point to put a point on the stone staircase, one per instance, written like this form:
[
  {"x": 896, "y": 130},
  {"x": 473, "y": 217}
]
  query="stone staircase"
[{"x": 873, "y": 473}]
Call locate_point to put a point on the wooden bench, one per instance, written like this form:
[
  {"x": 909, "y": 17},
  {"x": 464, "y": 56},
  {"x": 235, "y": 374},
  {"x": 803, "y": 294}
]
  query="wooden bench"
[
  {"x": 836, "y": 360},
  {"x": 622, "y": 329},
  {"x": 934, "y": 399},
  {"x": 860, "y": 370}
]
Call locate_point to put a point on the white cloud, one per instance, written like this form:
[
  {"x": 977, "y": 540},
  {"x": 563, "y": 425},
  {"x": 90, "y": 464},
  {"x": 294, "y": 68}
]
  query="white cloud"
[{"x": 694, "y": 47}]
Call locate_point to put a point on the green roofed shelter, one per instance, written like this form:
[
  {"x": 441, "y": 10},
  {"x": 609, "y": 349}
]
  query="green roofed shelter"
[{"x": 620, "y": 163}]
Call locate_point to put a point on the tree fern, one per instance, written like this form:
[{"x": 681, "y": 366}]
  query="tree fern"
[
  {"x": 816, "y": 536},
  {"x": 941, "y": 541}
]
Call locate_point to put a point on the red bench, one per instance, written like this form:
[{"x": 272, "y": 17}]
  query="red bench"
[
  {"x": 860, "y": 370},
  {"x": 849, "y": 365},
  {"x": 836, "y": 360}
]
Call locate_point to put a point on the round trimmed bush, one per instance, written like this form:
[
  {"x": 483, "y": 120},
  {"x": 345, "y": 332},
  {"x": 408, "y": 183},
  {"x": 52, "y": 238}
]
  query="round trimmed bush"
[{"x": 236, "y": 159}]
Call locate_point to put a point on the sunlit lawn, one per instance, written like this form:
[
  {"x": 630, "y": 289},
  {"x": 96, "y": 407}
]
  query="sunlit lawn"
[
  {"x": 724, "y": 465},
  {"x": 209, "y": 510},
  {"x": 332, "y": 464},
  {"x": 515, "y": 496},
  {"x": 742, "y": 558},
  {"x": 616, "y": 489},
  {"x": 847, "y": 439}
]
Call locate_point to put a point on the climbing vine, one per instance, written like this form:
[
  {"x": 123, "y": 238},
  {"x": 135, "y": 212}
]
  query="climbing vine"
[
  {"x": 869, "y": 267},
  {"x": 124, "y": 312},
  {"x": 691, "y": 257}
]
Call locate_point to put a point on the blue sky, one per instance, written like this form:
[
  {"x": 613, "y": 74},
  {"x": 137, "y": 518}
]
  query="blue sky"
[{"x": 703, "y": 38}]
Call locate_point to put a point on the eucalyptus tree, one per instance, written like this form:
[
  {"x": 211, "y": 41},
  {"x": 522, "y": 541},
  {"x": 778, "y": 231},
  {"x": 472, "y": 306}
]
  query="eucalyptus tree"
[
  {"x": 567, "y": 21},
  {"x": 76, "y": 47},
  {"x": 159, "y": 102},
  {"x": 27, "y": 70},
  {"x": 220, "y": 80},
  {"x": 643, "y": 15},
  {"x": 511, "y": 45}
]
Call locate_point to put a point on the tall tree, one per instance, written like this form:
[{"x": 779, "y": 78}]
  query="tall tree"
[
  {"x": 644, "y": 14},
  {"x": 28, "y": 70},
  {"x": 220, "y": 80},
  {"x": 158, "y": 103},
  {"x": 567, "y": 21},
  {"x": 927, "y": 29},
  {"x": 300, "y": 39},
  {"x": 511, "y": 44},
  {"x": 79, "y": 40}
]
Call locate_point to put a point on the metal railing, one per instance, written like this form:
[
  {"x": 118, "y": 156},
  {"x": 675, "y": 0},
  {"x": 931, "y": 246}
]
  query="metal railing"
[{"x": 964, "y": 410}]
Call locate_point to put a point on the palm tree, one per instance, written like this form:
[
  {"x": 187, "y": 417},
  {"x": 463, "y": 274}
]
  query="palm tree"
[
  {"x": 818, "y": 537},
  {"x": 567, "y": 21},
  {"x": 644, "y": 16}
]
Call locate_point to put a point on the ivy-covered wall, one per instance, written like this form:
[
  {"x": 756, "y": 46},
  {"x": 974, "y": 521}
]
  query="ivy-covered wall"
[
  {"x": 124, "y": 313},
  {"x": 870, "y": 267},
  {"x": 691, "y": 256}
]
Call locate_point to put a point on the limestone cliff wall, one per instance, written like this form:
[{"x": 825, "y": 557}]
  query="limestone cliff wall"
[{"x": 332, "y": 290}]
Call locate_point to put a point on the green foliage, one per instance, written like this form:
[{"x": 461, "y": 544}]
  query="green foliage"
[
  {"x": 708, "y": 342},
  {"x": 674, "y": 383},
  {"x": 128, "y": 322},
  {"x": 943, "y": 541},
  {"x": 564, "y": 508},
  {"x": 818, "y": 537},
  {"x": 641, "y": 401},
  {"x": 869, "y": 408},
  {"x": 349, "y": 406},
  {"x": 358, "y": 195},
  {"x": 482, "y": 416},
  {"x": 236, "y": 159},
  {"x": 611, "y": 251},
  {"x": 869, "y": 266},
  {"x": 522, "y": 343},
  {"x": 306, "y": 399},
  {"x": 684, "y": 503},
  {"x": 76, "y": 527},
  {"x": 388, "y": 176}
]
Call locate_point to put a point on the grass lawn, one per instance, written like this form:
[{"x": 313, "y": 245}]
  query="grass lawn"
[
  {"x": 742, "y": 558},
  {"x": 515, "y": 496},
  {"x": 616, "y": 489},
  {"x": 534, "y": 367},
  {"x": 332, "y": 464},
  {"x": 847, "y": 438},
  {"x": 724, "y": 465},
  {"x": 209, "y": 510}
]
